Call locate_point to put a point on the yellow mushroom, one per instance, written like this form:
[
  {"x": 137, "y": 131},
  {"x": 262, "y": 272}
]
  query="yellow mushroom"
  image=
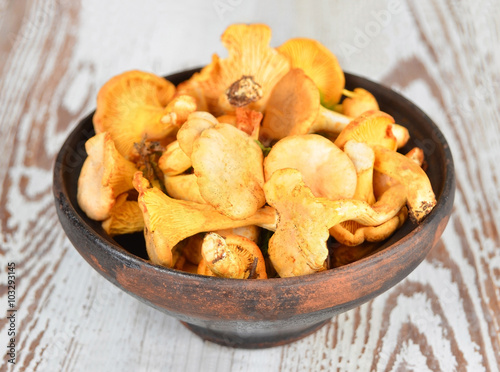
[
  {"x": 131, "y": 106},
  {"x": 174, "y": 161},
  {"x": 125, "y": 217},
  {"x": 352, "y": 233},
  {"x": 251, "y": 232},
  {"x": 298, "y": 246},
  {"x": 358, "y": 102},
  {"x": 104, "y": 176},
  {"x": 228, "y": 167},
  {"x": 362, "y": 157},
  {"x": 326, "y": 169},
  {"x": 232, "y": 256},
  {"x": 373, "y": 128},
  {"x": 294, "y": 108},
  {"x": 250, "y": 55},
  {"x": 320, "y": 64},
  {"x": 196, "y": 123},
  {"x": 168, "y": 221},
  {"x": 178, "y": 110},
  {"x": 382, "y": 182},
  {"x": 421, "y": 198},
  {"x": 184, "y": 187}
]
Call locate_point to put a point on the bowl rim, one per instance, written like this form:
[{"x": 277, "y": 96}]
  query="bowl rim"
[{"x": 128, "y": 258}]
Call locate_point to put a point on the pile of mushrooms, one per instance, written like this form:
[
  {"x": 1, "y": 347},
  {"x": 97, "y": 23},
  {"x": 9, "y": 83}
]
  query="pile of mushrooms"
[{"x": 247, "y": 169}]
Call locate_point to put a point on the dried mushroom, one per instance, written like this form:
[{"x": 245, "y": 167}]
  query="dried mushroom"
[
  {"x": 228, "y": 166},
  {"x": 326, "y": 169},
  {"x": 320, "y": 64},
  {"x": 104, "y": 176},
  {"x": 131, "y": 107},
  {"x": 232, "y": 256}
]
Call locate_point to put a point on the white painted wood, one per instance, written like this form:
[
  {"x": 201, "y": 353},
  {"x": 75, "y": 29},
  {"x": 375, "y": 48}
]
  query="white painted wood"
[{"x": 443, "y": 55}]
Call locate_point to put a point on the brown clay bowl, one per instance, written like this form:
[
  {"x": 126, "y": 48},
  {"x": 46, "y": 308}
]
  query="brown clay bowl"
[{"x": 261, "y": 313}]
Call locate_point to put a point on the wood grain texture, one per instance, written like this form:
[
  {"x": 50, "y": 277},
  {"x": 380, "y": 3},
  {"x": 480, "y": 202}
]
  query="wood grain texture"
[{"x": 442, "y": 55}]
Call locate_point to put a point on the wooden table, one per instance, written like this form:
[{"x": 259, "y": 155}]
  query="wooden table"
[{"x": 55, "y": 54}]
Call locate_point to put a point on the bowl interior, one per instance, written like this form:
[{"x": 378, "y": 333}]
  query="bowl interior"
[{"x": 363, "y": 276}]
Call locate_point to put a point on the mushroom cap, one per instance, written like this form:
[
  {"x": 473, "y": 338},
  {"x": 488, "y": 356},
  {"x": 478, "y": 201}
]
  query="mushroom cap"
[
  {"x": 168, "y": 221},
  {"x": 358, "y": 102},
  {"x": 125, "y": 217},
  {"x": 249, "y": 54},
  {"x": 130, "y": 106},
  {"x": 421, "y": 198},
  {"x": 228, "y": 165},
  {"x": 372, "y": 127},
  {"x": 196, "y": 123},
  {"x": 105, "y": 174},
  {"x": 320, "y": 64},
  {"x": 233, "y": 256},
  {"x": 184, "y": 187},
  {"x": 326, "y": 169},
  {"x": 292, "y": 108},
  {"x": 298, "y": 247},
  {"x": 174, "y": 161}
]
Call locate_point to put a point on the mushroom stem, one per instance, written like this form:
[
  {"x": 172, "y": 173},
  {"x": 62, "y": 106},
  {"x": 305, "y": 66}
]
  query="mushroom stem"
[
  {"x": 298, "y": 246},
  {"x": 421, "y": 198},
  {"x": 169, "y": 221}
]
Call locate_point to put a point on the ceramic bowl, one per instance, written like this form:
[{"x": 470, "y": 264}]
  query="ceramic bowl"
[{"x": 261, "y": 313}]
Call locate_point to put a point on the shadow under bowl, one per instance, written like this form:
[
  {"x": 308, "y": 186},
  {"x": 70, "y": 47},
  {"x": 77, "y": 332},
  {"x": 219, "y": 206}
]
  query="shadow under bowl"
[{"x": 261, "y": 313}]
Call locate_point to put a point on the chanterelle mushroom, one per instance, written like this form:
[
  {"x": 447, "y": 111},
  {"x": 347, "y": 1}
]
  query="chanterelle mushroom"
[
  {"x": 298, "y": 246},
  {"x": 104, "y": 176},
  {"x": 320, "y": 64},
  {"x": 169, "y": 221},
  {"x": 326, "y": 169},
  {"x": 373, "y": 128},
  {"x": 125, "y": 217},
  {"x": 249, "y": 55},
  {"x": 130, "y": 106},
  {"x": 358, "y": 102},
  {"x": 232, "y": 256},
  {"x": 421, "y": 198},
  {"x": 351, "y": 232},
  {"x": 228, "y": 166}
]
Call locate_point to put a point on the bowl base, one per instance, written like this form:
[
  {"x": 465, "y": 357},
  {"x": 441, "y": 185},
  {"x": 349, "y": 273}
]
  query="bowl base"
[{"x": 251, "y": 341}]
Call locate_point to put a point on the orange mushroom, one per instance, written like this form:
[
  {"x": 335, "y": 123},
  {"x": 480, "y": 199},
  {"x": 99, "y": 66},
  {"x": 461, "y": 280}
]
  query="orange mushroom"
[
  {"x": 421, "y": 198},
  {"x": 169, "y": 221},
  {"x": 104, "y": 176},
  {"x": 298, "y": 246},
  {"x": 232, "y": 256},
  {"x": 125, "y": 217},
  {"x": 228, "y": 167},
  {"x": 131, "y": 106},
  {"x": 373, "y": 128},
  {"x": 326, "y": 169},
  {"x": 249, "y": 54},
  {"x": 320, "y": 64},
  {"x": 358, "y": 102},
  {"x": 174, "y": 161}
]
